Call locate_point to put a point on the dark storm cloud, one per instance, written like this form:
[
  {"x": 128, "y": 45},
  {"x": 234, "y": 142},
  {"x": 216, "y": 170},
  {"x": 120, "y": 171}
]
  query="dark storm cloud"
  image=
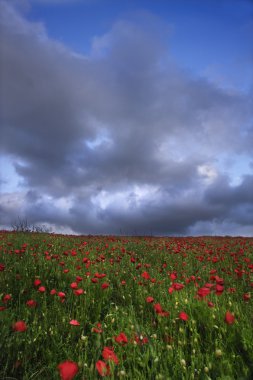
[
  {"x": 119, "y": 140},
  {"x": 222, "y": 193}
]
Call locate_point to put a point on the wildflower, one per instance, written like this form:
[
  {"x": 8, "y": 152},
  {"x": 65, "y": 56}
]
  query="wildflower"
[
  {"x": 100, "y": 275},
  {"x": 177, "y": 286},
  {"x": 19, "y": 326},
  {"x": 37, "y": 282},
  {"x": 105, "y": 285},
  {"x": 229, "y": 318},
  {"x": 183, "y": 316},
  {"x": 68, "y": 370},
  {"x": 140, "y": 339},
  {"x": 121, "y": 338},
  {"x": 145, "y": 275},
  {"x": 219, "y": 289},
  {"x": 31, "y": 303},
  {"x": 78, "y": 292},
  {"x": 159, "y": 310},
  {"x": 149, "y": 299},
  {"x": 74, "y": 322},
  {"x": 6, "y": 298},
  {"x": 246, "y": 297},
  {"x": 108, "y": 354},
  {"x": 102, "y": 368},
  {"x": 203, "y": 292},
  {"x": 42, "y": 289},
  {"x": 2, "y": 267}
]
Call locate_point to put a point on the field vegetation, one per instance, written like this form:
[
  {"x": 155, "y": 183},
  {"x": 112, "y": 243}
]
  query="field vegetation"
[{"x": 87, "y": 307}]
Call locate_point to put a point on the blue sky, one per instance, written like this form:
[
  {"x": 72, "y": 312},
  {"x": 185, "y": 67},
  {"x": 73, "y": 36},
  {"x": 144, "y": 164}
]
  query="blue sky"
[
  {"x": 209, "y": 37},
  {"x": 131, "y": 116}
]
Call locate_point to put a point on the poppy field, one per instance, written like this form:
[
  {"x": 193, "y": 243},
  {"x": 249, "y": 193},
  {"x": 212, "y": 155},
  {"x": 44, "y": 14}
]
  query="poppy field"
[{"x": 92, "y": 307}]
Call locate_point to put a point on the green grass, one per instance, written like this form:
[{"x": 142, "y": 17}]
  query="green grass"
[{"x": 158, "y": 347}]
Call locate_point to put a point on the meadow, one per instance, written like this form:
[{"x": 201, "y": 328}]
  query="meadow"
[{"x": 92, "y": 307}]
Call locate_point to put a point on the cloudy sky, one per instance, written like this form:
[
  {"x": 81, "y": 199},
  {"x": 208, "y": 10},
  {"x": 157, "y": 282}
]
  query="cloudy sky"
[{"x": 127, "y": 117}]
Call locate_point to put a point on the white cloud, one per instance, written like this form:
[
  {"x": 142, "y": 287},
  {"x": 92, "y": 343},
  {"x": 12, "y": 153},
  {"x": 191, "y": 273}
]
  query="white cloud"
[{"x": 208, "y": 172}]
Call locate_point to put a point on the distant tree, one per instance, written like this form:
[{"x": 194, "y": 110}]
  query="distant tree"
[{"x": 22, "y": 225}]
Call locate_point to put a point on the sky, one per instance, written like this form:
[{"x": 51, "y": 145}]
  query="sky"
[{"x": 131, "y": 117}]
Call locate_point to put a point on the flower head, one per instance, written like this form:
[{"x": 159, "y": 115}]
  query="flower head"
[
  {"x": 183, "y": 316},
  {"x": 121, "y": 338},
  {"x": 68, "y": 370},
  {"x": 109, "y": 354},
  {"x": 74, "y": 322},
  {"x": 229, "y": 318},
  {"x": 19, "y": 326},
  {"x": 102, "y": 368}
]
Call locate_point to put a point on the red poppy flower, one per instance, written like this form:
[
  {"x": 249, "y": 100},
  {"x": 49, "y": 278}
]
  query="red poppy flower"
[
  {"x": 31, "y": 303},
  {"x": 6, "y": 298},
  {"x": 183, "y": 316},
  {"x": 53, "y": 291},
  {"x": 78, "y": 292},
  {"x": 37, "y": 282},
  {"x": 141, "y": 339},
  {"x": 42, "y": 289},
  {"x": 145, "y": 275},
  {"x": 121, "y": 338},
  {"x": 74, "y": 322},
  {"x": 246, "y": 297},
  {"x": 149, "y": 299},
  {"x": 177, "y": 286},
  {"x": 2, "y": 267},
  {"x": 109, "y": 354},
  {"x": 219, "y": 289},
  {"x": 105, "y": 285},
  {"x": 74, "y": 285},
  {"x": 19, "y": 326},
  {"x": 68, "y": 370},
  {"x": 61, "y": 294},
  {"x": 102, "y": 368},
  {"x": 99, "y": 275},
  {"x": 159, "y": 310},
  {"x": 229, "y": 318},
  {"x": 203, "y": 292}
]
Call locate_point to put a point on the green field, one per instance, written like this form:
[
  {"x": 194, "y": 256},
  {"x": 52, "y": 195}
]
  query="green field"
[{"x": 125, "y": 307}]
